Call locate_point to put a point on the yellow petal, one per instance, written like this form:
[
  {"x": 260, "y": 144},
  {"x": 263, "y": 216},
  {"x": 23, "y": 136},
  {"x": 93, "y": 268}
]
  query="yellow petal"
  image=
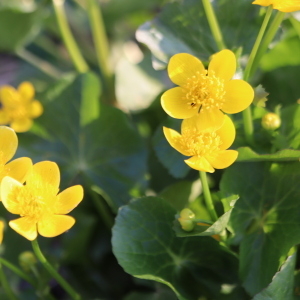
[
  {"x": 226, "y": 133},
  {"x": 25, "y": 226},
  {"x": 263, "y": 2},
  {"x": 26, "y": 90},
  {"x": 174, "y": 139},
  {"x": 45, "y": 172},
  {"x": 223, "y": 159},
  {"x": 223, "y": 65},
  {"x": 8, "y": 95},
  {"x": 36, "y": 109},
  {"x": 8, "y": 144},
  {"x": 1, "y": 231},
  {"x": 9, "y": 190},
  {"x": 239, "y": 95},
  {"x": 175, "y": 104},
  {"x": 18, "y": 168},
  {"x": 68, "y": 199},
  {"x": 4, "y": 117},
  {"x": 53, "y": 225},
  {"x": 21, "y": 125},
  {"x": 183, "y": 66},
  {"x": 200, "y": 164},
  {"x": 287, "y": 5}
]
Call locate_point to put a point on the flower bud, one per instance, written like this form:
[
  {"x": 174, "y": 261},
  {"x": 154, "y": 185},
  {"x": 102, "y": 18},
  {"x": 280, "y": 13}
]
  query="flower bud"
[
  {"x": 271, "y": 121},
  {"x": 186, "y": 219},
  {"x": 27, "y": 260}
]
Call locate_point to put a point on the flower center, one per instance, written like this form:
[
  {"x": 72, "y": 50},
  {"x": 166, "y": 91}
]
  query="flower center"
[
  {"x": 201, "y": 143},
  {"x": 203, "y": 91}
]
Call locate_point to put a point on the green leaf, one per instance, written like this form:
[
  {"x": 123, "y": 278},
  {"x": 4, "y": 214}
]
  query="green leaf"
[
  {"x": 282, "y": 284},
  {"x": 246, "y": 154},
  {"x": 265, "y": 220},
  {"x": 182, "y": 27},
  {"x": 260, "y": 96},
  {"x": 146, "y": 247},
  {"x": 88, "y": 140}
]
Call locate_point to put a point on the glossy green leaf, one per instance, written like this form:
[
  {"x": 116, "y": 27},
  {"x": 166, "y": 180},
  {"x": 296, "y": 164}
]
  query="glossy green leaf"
[
  {"x": 265, "y": 220},
  {"x": 282, "y": 284},
  {"x": 146, "y": 247},
  {"x": 88, "y": 139},
  {"x": 182, "y": 27}
]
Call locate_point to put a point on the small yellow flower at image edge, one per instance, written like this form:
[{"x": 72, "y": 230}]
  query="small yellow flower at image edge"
[
  {"x": 41, "y": 208},
  {"x": 207, "y": 93},
  {"x": 281, "y": 5},
  {"x": 18, "y": 107},
  {"x": 17, "y": 168},
  {"x": 206, "y": 146},
  {"x": 1, "y": 231}
]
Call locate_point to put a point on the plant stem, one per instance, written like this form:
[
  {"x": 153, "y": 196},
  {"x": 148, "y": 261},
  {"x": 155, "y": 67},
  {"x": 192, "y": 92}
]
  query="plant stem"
[
  {"x": 17, "y": 271},
  {"x": 207, "y": 196},
  {"x": 267, "y": 40},
  {"x": 68, "y": 38},
  {"x": 53, "y": 272},
  {"x": 39, "y": 63},
  {"x": 213, "y": 24},
  {"x": 5, "y": 285},
  {"x": 99, "y": 37}
]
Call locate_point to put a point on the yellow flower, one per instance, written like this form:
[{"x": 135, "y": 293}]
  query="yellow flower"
[
  {"x": 18, "y": 168},
  {"x": 206, "y": 145},
  {"x": 1, "y": 231},
  {"x": 41, "y": 208},
  {"x": 19, "y": 107},
  {"x": 282, "y": 5},
  {"x": 208, "y": 91}
]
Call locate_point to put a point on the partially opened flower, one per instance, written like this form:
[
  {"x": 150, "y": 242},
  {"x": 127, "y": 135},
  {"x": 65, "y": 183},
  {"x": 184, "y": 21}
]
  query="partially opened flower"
[
  {"x": 281, "y": 5},
  {"x": 41, "y": 208},
  {"x": 17, "y": 168},
  {"x": 19, "y": 107},
  {"x": 207, "y": 92},
  {"x": 206, "y": 146}
]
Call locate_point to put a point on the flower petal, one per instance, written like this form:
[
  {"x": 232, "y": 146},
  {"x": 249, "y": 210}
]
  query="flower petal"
[
  {"x": 200, "y": 164},
  {"x": 10, "y": 189},
  {"x": 183, "y": 66},
  {"x": 26, "y": 90},
  {"x": 223, "y": 159},
  {"x": 21, "y": 125},
  {"x": 174, "y": 139},
  {"x": 8, "y": 95},
  {"x": 8, "y": 144},
  {"x": 262, "y": 2},
  {"x": 25, "y": 226},
  {"x": 18, "y": 168},
  {"x": 223, "y": 65},
  {"x": 287, "y": 6},
  {"x": 175, "y": 104},
  {"x": 53, "y": 225},
  {"x": 1, "y": 231},
  {"x": 45, "y": 172},
  {"x": 226, "y": 133},
  {"x": 239, "y": 95},
  {"x": 36, "y": 109},
  {"x": 68, "y": 199},
  {"x": 4, "y": 117}
]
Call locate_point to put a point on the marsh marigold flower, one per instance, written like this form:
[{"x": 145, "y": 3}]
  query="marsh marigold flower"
[
  {"x": 1, "y": 231},
  {"x": 18, "y": 107},
  {"x": 281, "y": 5},
  {"x": 18, "y": 168},
  {"x": 206, "y": 146},
  {"x": 207, "y": 92},
  {"x": 41, "y": 208}
]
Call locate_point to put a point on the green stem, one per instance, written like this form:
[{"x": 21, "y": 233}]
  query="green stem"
[
  {"x": 269, "y": 36},
  {"x": 39, "y": 63},
  {"x": 99, "y": 37},
  {"x": 248, "y": 126},
  {"x": 207, "y": 196},
  {"x": 17, "y": 271},
  {"x": 53, "y": 272},
  {"x": 6, "y": 286},
  {"x": 68, "y": 38},
  {"x": 295, "y": 24},
  {"x": 213, "y": 24}
]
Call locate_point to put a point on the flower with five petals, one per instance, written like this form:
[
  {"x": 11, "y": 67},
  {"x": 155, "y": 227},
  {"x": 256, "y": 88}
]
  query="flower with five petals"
[
  {"x": 207, "y": 92},
  {"x": 41, "y": 208},
  {"x": 206, "y": 145},
  {"x": 281, "y": 5}
]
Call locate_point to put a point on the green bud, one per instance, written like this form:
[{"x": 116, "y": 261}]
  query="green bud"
[
  {"x": 27, "y": 260},
  {"x": 187, "y": 214},
  {"x": 271, "y": 121},
  {"x": 186, "y": 219}
]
